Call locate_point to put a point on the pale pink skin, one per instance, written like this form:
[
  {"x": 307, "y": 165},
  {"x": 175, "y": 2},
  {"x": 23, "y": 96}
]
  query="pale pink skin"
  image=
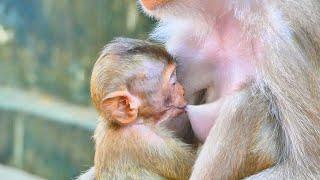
[
  {"x": 231, "y": 68},
  {"x": 211, "y": 52}
]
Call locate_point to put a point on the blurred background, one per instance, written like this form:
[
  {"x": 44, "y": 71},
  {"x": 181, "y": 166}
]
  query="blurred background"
[{"x": 47, "y": 50}]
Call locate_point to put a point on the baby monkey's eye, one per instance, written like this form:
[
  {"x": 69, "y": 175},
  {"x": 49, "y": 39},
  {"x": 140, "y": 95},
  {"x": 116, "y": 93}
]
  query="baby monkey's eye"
[{"x": 173, "y": 78}]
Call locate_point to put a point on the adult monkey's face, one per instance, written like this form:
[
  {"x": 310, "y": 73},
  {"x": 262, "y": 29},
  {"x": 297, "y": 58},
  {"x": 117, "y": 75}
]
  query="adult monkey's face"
[
  {"x": 162, "y": 8},
  {"x": 151, "y": 5}
]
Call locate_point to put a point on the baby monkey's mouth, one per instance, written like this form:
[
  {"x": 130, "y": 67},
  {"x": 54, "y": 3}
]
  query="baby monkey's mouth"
[
  {"x": 173, "y": 110},
  {"x": 176, "y": 107},
  {"x": 170, "y": 112}
]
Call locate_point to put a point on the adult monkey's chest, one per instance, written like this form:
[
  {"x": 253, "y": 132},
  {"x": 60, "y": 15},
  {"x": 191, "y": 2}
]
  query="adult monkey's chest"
[
  {"x": 215, "y": 58},
  {"x": 214, "y": 53}
]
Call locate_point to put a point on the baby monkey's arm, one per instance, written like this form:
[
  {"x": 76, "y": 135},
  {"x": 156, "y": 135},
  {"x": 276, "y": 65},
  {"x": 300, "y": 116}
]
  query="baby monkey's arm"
[{"x": 159, "y": 151}]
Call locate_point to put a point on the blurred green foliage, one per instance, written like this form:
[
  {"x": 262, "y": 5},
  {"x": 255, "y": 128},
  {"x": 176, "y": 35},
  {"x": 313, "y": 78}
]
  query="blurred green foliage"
[{"x": 51, "y": 45}]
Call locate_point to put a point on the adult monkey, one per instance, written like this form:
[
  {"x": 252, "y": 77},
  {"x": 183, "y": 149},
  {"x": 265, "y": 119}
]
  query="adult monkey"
[{"x": 261, "y": 62}]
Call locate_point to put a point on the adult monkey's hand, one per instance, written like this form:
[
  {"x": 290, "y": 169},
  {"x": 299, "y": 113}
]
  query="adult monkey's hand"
[{"x": 262, "y": 59}]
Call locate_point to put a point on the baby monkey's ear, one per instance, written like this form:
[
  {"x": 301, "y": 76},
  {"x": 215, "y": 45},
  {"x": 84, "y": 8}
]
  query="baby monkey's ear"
[{"x": 121, "y": 107}]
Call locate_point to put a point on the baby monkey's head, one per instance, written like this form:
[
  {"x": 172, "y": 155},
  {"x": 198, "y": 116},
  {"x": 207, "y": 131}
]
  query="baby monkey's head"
[{"x": 136, "y": 80}]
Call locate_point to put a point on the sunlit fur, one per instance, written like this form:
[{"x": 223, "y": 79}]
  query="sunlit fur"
[
  {"x": 142, "y": 149},
  {"x": 280, "y": 110},
  {"x": 142, "y": 152}
]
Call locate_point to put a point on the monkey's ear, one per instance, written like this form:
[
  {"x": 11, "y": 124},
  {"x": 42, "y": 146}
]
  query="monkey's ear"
[{"x": 121, "y": 106}]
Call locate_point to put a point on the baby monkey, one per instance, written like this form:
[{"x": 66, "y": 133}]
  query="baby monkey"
[{"x": 134, "y": 88}]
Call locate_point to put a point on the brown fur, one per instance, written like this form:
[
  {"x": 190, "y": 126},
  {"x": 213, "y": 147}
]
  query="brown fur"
[
  {"x": 277, "y": 117},
  {"x": 142, "y": 149},
  {"x": 129, "y": 156}
]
